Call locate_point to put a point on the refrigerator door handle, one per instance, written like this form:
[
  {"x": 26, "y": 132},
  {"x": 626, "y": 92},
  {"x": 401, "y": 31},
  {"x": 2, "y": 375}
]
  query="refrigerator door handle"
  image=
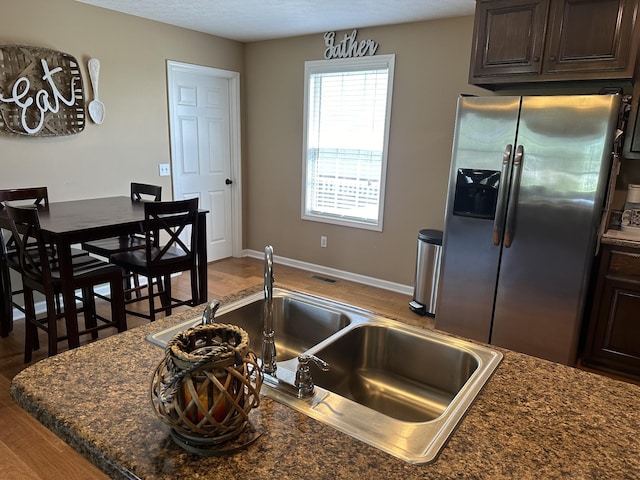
[
  {"x": 502, "y": 196},
  {"x": 513, "y": 198}
]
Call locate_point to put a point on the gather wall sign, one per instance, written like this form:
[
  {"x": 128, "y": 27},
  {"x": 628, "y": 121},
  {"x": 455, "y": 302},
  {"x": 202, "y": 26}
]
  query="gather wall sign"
[
  {"x": 41, "y": 92},
  {"x": 348, "y": 47}
]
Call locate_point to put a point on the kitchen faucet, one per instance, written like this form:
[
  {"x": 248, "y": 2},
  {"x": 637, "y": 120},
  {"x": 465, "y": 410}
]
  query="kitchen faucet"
[
  {"x": 268, "y": 340},
  {"x": 210, "y": 312},
  {"x": 303, "y": 386}
]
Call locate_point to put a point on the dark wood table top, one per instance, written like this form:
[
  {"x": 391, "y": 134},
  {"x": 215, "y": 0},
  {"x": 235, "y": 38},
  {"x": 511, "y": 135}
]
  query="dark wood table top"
[
  {"x": 91, "y": 218},
  {"x": 78, "y": 217}
]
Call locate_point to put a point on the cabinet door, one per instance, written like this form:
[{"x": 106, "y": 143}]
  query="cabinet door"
[
  {"x": 508, "y": 37},
  {"x": 617, "y": 342},
  {"x": 590, "y": 36},
  {"x": 613, "y": 340}
]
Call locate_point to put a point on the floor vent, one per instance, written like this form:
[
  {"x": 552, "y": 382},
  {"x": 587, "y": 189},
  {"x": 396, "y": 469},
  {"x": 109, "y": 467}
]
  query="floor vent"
[{"x": 323, "y": 279}]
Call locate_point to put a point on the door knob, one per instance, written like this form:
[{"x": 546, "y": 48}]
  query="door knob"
[{"x": 228, "y": 181}]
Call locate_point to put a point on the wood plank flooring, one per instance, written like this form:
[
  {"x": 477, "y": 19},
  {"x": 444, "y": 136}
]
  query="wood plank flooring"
[{"x": 30, "y": 451}]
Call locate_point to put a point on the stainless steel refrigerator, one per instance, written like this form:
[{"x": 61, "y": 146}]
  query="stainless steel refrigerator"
[{"x": 526, "y": 191}]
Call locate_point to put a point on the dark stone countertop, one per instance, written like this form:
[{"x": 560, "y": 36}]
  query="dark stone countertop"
[
  {"x": 533, "y": 420},
  {"x": 618, "y": 238}
]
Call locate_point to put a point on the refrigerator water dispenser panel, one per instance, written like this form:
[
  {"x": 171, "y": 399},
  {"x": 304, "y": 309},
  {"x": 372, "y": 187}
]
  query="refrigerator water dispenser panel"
[{"x": 476, "y": 193}]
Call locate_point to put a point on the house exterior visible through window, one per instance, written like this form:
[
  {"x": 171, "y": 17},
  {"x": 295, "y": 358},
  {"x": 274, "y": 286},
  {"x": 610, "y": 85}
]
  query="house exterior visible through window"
[{"x": 346, "y": 131}]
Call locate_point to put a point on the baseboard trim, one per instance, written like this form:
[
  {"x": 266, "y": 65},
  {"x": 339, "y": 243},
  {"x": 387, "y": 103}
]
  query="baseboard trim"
[{"x": 353, "y": 277}]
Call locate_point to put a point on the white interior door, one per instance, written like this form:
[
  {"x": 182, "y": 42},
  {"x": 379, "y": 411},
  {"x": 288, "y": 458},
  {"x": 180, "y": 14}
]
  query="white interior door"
[{"x": 205, "y": 149}]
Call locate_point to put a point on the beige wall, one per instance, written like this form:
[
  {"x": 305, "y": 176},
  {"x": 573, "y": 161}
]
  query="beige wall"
[
  {"x": 134, "y": 138},
  {"x": 431, "y": 69}
]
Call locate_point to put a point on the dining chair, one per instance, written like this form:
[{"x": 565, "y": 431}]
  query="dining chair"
[
  {"x": 108, "y": 246},
  {"x": 36, "y": 196},
  {"x": 40, "y": 270},
  {"x": 176, "y": 221}
]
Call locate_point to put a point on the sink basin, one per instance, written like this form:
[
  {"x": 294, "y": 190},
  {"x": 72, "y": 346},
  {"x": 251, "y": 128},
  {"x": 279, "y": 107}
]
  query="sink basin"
[
  {"x": 397, "y": 373},
  {"x": 398, "y": 388},
  {"x": 301, "y": 322}
]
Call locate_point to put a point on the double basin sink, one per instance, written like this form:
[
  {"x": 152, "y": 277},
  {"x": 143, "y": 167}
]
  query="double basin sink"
[{"x": 398, "y": 388}]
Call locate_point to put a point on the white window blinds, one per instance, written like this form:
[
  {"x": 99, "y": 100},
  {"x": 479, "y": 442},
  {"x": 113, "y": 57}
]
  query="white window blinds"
[{"x": 347, "y": 117}]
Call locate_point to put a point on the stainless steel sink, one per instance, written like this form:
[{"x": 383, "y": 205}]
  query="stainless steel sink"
[
  {"x": 398, "y": 388},
  {"x": 395, "y": 372},
  {"x": 301, "y": 322}
]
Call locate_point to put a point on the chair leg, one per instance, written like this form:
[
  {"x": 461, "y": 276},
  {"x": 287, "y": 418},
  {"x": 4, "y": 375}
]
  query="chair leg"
[
  {"x": 126, "y": 285},
  {"x": 118, "y": 315},
  {"x": 58, "y": 304},
  {"x": 194, "y": 287},
  {"x": 31, "y": 341},
  {"x": 52, "y": 325},
  {"x": 152, "y": 309},
  {"x": 35, "y": 339},
  {"x": 89, "y": 303},
  {"x": 136, "y": 284},
  {"x": 166, "y": 298}
]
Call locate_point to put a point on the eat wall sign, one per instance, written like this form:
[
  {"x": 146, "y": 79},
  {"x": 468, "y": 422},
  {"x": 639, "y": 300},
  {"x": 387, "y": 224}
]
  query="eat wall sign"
[{"x": 41, "y": 92}]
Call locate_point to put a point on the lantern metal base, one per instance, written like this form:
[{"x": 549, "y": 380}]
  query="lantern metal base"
[{"x": 218, "y": 446}]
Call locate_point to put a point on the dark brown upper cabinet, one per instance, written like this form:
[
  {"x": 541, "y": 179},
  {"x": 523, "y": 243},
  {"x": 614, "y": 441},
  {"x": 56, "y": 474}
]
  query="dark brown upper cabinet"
[{"x": 531, "y": 41}]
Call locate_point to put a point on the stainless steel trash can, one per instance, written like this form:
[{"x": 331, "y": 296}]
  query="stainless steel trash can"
[{"x": 425, "y": 290}]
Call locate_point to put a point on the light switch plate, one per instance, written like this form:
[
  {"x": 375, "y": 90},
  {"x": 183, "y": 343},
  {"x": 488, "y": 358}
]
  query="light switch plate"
[{"x": 164, "y": 170}]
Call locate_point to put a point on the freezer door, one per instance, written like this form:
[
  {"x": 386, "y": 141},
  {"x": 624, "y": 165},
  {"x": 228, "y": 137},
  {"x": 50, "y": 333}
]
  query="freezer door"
[
  {"x": 566, "y": 144},
  {"x": 484, "y": 137}
]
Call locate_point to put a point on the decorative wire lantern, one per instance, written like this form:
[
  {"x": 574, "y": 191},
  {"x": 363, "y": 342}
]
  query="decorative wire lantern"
[{"x": 206, "y": 385}]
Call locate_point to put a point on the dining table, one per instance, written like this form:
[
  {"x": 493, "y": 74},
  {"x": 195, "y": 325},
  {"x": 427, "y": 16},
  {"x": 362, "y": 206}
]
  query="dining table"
[{"x": 67, "y": 223}]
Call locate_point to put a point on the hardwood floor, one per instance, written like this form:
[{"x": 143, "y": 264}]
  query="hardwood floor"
[{"x": 30, "y": 451}]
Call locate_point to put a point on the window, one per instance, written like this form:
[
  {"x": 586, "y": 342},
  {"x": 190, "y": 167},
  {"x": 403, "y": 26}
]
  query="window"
[{"x": 346, "y": 130}]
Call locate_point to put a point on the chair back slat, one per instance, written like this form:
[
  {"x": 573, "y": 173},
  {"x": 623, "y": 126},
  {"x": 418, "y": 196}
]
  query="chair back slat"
[
  {"x": 174, "y": 220},
  {"x": 25, "y": 229},
  {"x": 140, "y": 189},
  {"x": 35, "y": 196},
  {"x": 39, "y": 196}
]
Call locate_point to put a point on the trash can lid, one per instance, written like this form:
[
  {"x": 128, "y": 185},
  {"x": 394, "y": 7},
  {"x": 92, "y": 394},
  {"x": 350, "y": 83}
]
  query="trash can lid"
[{"x": 431, "y": 236}]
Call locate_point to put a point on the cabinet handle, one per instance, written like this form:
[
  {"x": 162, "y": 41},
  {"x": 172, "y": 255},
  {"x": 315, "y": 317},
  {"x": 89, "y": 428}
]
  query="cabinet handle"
[
  {"x": 536, "y": 59},
  {"x": 552, "y": 58}
]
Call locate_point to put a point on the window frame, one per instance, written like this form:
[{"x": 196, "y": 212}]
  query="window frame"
[{"x": 336, "y": 66}]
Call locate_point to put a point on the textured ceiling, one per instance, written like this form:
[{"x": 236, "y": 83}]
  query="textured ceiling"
[{"x": 253, "y": 20}]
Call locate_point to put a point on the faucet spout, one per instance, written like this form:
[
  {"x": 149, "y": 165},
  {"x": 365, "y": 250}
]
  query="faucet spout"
[
  {"x": 268, "y": 340},
  {"x": 210, "y": 312}
]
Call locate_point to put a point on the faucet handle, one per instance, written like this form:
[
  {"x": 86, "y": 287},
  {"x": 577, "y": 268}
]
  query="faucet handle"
[
  {"x": 304, "y": 382},
  {"x": 306, "y": 358}
]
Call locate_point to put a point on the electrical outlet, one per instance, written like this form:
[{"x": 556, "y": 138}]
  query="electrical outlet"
[
  {"x": 323, "y": 241},
  {"x": 164, "y": 170}
]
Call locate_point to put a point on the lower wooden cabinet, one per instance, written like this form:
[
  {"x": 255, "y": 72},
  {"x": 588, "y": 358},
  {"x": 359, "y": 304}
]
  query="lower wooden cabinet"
[{"x": 613, "y": 338}]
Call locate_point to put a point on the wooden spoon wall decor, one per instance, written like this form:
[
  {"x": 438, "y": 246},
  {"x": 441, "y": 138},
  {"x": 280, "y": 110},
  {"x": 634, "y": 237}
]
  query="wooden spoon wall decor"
[{"x": 96, "y": 107}]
